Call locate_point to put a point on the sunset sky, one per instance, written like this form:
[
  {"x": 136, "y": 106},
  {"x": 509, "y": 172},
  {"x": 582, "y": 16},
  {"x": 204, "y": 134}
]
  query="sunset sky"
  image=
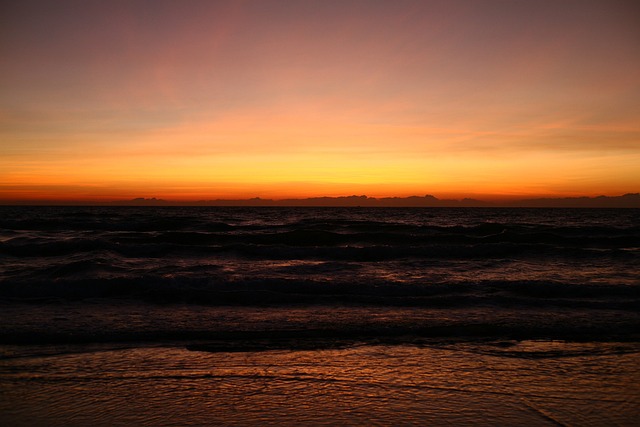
[{"x": 191, "y": 100}]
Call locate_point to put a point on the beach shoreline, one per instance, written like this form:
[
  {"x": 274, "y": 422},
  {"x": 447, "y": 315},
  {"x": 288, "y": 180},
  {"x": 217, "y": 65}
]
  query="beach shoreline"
[{"x": 524, "y": 383}]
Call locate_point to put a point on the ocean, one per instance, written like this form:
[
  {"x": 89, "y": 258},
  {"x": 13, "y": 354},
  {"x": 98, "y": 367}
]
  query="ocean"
[{"x": 319, "y": 316}]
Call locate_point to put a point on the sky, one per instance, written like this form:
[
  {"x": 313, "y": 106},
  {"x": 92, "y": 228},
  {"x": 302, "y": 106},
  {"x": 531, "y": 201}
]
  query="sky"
[{"x": 193, "y": 100}]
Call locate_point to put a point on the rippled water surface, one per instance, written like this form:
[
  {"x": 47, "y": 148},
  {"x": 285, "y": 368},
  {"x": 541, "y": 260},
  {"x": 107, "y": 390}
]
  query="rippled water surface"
[{"x": 331, "y": 255}]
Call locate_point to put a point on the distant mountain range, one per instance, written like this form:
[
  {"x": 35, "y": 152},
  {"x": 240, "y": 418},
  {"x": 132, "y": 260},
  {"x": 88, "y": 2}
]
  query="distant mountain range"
[{"x": 631, "y": 200}]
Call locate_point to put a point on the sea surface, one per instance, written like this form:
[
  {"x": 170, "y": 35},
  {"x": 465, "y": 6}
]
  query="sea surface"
[{"x": 319, "y": 316}]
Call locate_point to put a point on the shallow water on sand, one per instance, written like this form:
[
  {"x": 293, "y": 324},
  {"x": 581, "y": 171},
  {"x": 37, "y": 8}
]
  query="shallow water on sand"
[{"x": 498, "y": 383}]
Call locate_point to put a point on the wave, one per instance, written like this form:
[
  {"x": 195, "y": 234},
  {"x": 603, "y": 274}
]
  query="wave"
[
  {"x": 401, "y": 257},
  {"x": 283, "y": 291},
  {"x": 304, "y": 244},
  {"x": 230, "y": 329}
]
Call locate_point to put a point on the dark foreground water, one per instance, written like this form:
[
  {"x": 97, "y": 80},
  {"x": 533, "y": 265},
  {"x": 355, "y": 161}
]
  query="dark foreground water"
[{"x": 319, "y": 316}]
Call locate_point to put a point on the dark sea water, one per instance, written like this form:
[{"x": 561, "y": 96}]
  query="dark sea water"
[
  {"x": 317, "y": 291},
  {"x": 526, "y": 258}
]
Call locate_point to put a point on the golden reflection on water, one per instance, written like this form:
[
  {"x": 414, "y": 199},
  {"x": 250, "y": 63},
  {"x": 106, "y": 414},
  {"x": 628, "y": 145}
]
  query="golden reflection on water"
[{"x": 530, "y": 383}]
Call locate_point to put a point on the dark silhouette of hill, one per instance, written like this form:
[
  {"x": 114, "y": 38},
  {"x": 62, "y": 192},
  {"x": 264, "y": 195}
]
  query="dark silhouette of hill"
[{"x": 631, "y": 200}]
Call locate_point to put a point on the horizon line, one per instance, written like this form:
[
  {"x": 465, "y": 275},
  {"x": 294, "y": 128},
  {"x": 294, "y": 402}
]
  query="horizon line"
[{"x": 630, "y": 200}]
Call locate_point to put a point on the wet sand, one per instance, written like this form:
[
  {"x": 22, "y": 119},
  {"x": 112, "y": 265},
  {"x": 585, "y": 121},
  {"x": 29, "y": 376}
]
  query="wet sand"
[{"x": 473, "y": 383}]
